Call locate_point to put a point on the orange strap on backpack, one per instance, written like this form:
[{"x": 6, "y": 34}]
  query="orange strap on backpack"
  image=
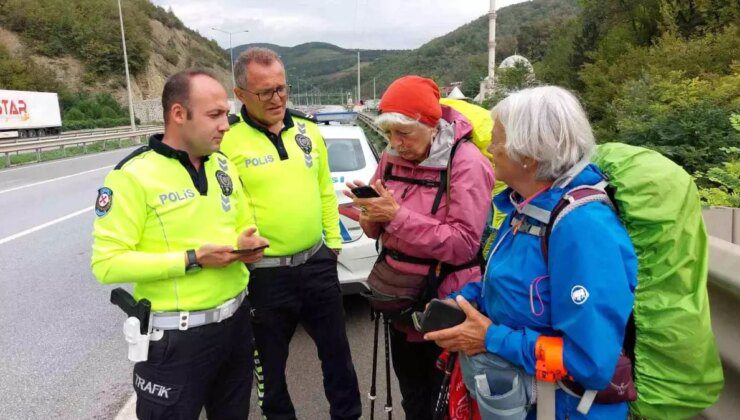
[{"x": 549, "y": 354}]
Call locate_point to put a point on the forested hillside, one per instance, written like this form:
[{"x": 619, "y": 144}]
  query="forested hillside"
[
  {"x": 320, "y": 63},
  {"x": 662, "y": 74},
  {"x": 462, "y": 55},
  {"x": 74, "y": 48}
]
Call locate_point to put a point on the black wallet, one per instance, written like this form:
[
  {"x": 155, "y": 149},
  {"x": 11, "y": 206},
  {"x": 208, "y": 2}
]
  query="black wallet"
[{"x": 439, "y": 315}]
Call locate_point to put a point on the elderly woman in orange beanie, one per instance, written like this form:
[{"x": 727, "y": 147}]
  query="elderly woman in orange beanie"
[{"x": 433, "y": 187}]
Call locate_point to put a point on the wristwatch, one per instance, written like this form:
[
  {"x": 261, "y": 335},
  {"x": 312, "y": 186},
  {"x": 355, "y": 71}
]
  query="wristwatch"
[{"x": 192, "y": 266}]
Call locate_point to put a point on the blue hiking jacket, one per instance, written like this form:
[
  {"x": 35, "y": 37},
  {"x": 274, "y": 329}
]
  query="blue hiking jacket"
[{"x": 587, "y": 297}]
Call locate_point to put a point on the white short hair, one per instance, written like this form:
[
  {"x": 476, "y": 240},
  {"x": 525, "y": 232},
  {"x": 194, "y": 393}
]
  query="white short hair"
[
  {"x": 547, "y": 124},
  {"x": 387, "y": 120}
]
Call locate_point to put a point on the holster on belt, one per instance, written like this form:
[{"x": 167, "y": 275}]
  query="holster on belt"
[{"x": 136, "y": 327}]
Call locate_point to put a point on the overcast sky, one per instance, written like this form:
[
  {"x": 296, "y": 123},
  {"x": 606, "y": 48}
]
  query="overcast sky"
[{"x": 369, "y": 24}]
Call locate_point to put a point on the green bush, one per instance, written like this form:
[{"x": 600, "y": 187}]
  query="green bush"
[
  {"x": 96, "y": 123},
  {"x": 84, "y": 106},
  {"x": 108, "y": 112},
  {"x": 720, "y": 185},
  {"x": 687, "y": 119},
  {"x": 701, "y": 57},
  {"x": 74, "y": 115}
]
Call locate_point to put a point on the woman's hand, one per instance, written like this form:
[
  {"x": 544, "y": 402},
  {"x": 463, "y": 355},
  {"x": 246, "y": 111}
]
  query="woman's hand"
[
  {"x": 352, "y": 185},
  {"x": 468, "y": 337},
  {"x": 377, "y": 210}
]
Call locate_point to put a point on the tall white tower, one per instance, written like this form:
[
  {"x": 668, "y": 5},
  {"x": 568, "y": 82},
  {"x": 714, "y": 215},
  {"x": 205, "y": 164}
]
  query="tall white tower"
[{"x": 487, "y": 85}]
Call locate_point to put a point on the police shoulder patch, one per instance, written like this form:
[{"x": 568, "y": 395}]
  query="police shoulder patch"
[{"x": 104, "y": 201}]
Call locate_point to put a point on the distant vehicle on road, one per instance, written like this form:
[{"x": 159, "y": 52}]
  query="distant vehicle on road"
[
  {"x": 351, "y": 156},
  {"x": 29, "y": 114}
]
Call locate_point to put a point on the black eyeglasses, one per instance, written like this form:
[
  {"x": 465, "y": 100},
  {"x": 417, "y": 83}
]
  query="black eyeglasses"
[{"x": 266, "y": 95}]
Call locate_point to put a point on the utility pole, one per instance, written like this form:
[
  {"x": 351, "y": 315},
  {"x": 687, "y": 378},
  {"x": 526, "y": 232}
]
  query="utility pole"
[
  {"x": 492, "y": 41},
  {"x": 358, "y": 77},
  {"x": 374, "y": 97},
  {"x": 125, "y": 65},
  {"x": 231, "y": 53},
  {"x": 488, "y": 85}
]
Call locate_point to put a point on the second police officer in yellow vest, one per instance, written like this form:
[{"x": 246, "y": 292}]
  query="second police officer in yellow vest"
[{"x": 283, "y": 165}]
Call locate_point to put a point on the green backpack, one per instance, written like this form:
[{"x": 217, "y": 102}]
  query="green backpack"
[{"x": 676, "y": 363}]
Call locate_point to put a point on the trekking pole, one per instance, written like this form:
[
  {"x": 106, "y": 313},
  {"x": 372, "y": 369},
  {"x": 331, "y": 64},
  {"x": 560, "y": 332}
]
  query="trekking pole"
[
  {"x": 443, "y": 399},
  {"x": 389, "y": 396},
  {"x": 374, "y": 316}
]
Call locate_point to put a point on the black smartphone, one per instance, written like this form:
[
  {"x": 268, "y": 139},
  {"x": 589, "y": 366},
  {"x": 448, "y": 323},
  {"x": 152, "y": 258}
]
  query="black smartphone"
[
  {"x": 365, "y": 191},
  {"x": 439, "y": 315},
  {"x": 249, "y": 250}
]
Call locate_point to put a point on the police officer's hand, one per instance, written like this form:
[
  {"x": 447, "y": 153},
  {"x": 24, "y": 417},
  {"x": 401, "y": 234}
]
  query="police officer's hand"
[
  {"x": 248, "y": 240},
  {"x": 210, "y": 255},
  {"x": 378, "y": 210}
]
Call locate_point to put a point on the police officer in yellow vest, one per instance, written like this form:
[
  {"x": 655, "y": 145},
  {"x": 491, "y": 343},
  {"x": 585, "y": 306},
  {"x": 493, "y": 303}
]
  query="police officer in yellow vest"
[
  {"x": 282, "y": 162},
  {"x": 169, "y": 217}
]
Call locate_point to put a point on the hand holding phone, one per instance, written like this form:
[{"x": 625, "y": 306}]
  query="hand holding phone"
[
  {"x": 249, "y": 250},
  {"x": 438, "y": 315},
  {"x": 249, "y": 246},
  {"x": 365, "y": 191}
]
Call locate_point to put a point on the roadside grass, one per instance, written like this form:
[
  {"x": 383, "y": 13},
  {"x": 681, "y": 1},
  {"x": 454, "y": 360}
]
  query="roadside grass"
[{"x": 68, "y": 151}]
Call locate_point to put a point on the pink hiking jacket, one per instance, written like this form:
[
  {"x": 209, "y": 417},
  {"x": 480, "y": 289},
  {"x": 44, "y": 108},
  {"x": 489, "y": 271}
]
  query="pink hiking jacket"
[{"x": 454, "y": 233}]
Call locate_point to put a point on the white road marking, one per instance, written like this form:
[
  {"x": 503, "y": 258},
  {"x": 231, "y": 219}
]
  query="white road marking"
[
  {"x": 128, "y": 412},
  {"x": 33, "y": 184},
  {"x": 45, "y": 225}
]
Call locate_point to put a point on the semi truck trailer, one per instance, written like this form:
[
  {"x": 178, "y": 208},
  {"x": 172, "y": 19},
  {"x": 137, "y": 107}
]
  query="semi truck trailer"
[{"x": 29, "y": 114}]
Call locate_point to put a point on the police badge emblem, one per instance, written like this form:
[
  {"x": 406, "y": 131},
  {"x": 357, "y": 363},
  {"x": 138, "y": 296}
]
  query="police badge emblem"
[
  {"x": 104, "y": 201},
  {"x": 224, "y": 181},
  {"x": 304, "y": 142}
]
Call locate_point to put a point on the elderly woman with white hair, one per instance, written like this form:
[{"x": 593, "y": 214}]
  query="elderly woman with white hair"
[
  {"x": 433, "y": 188},
  {"x": 554, "y": 303}
]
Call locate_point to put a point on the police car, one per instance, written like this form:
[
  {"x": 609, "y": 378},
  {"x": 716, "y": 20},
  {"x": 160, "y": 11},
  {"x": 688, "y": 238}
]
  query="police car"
[{"x": 350, "y": 157}]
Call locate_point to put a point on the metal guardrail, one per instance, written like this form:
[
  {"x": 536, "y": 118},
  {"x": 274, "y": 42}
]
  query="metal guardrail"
[
  {"x": 370, "y": 121},
  {"x": 724, "y": 299},
  {"x": 74, "y": 134},
  {"x": 61, "y": 142}
]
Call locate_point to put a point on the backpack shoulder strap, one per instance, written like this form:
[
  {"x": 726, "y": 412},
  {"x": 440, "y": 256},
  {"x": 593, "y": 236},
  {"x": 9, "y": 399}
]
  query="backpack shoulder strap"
[
  {"x": 444, "y": 185},
  {"x": 387, "y": 173},
  {"x": 570, "y": 201}
]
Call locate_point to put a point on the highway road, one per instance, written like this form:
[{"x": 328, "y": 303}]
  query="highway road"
[{"x": 62, "y": 353}]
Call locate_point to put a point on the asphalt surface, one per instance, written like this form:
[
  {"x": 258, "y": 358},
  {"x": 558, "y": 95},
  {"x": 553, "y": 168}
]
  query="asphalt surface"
[{"x": 62, "y": 353}]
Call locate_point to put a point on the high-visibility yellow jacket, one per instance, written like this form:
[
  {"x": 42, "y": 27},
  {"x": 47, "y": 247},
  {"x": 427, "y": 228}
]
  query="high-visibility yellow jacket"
[
  {"x": 287, "y": 181},
  {"x": 153, "y": 207}
]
